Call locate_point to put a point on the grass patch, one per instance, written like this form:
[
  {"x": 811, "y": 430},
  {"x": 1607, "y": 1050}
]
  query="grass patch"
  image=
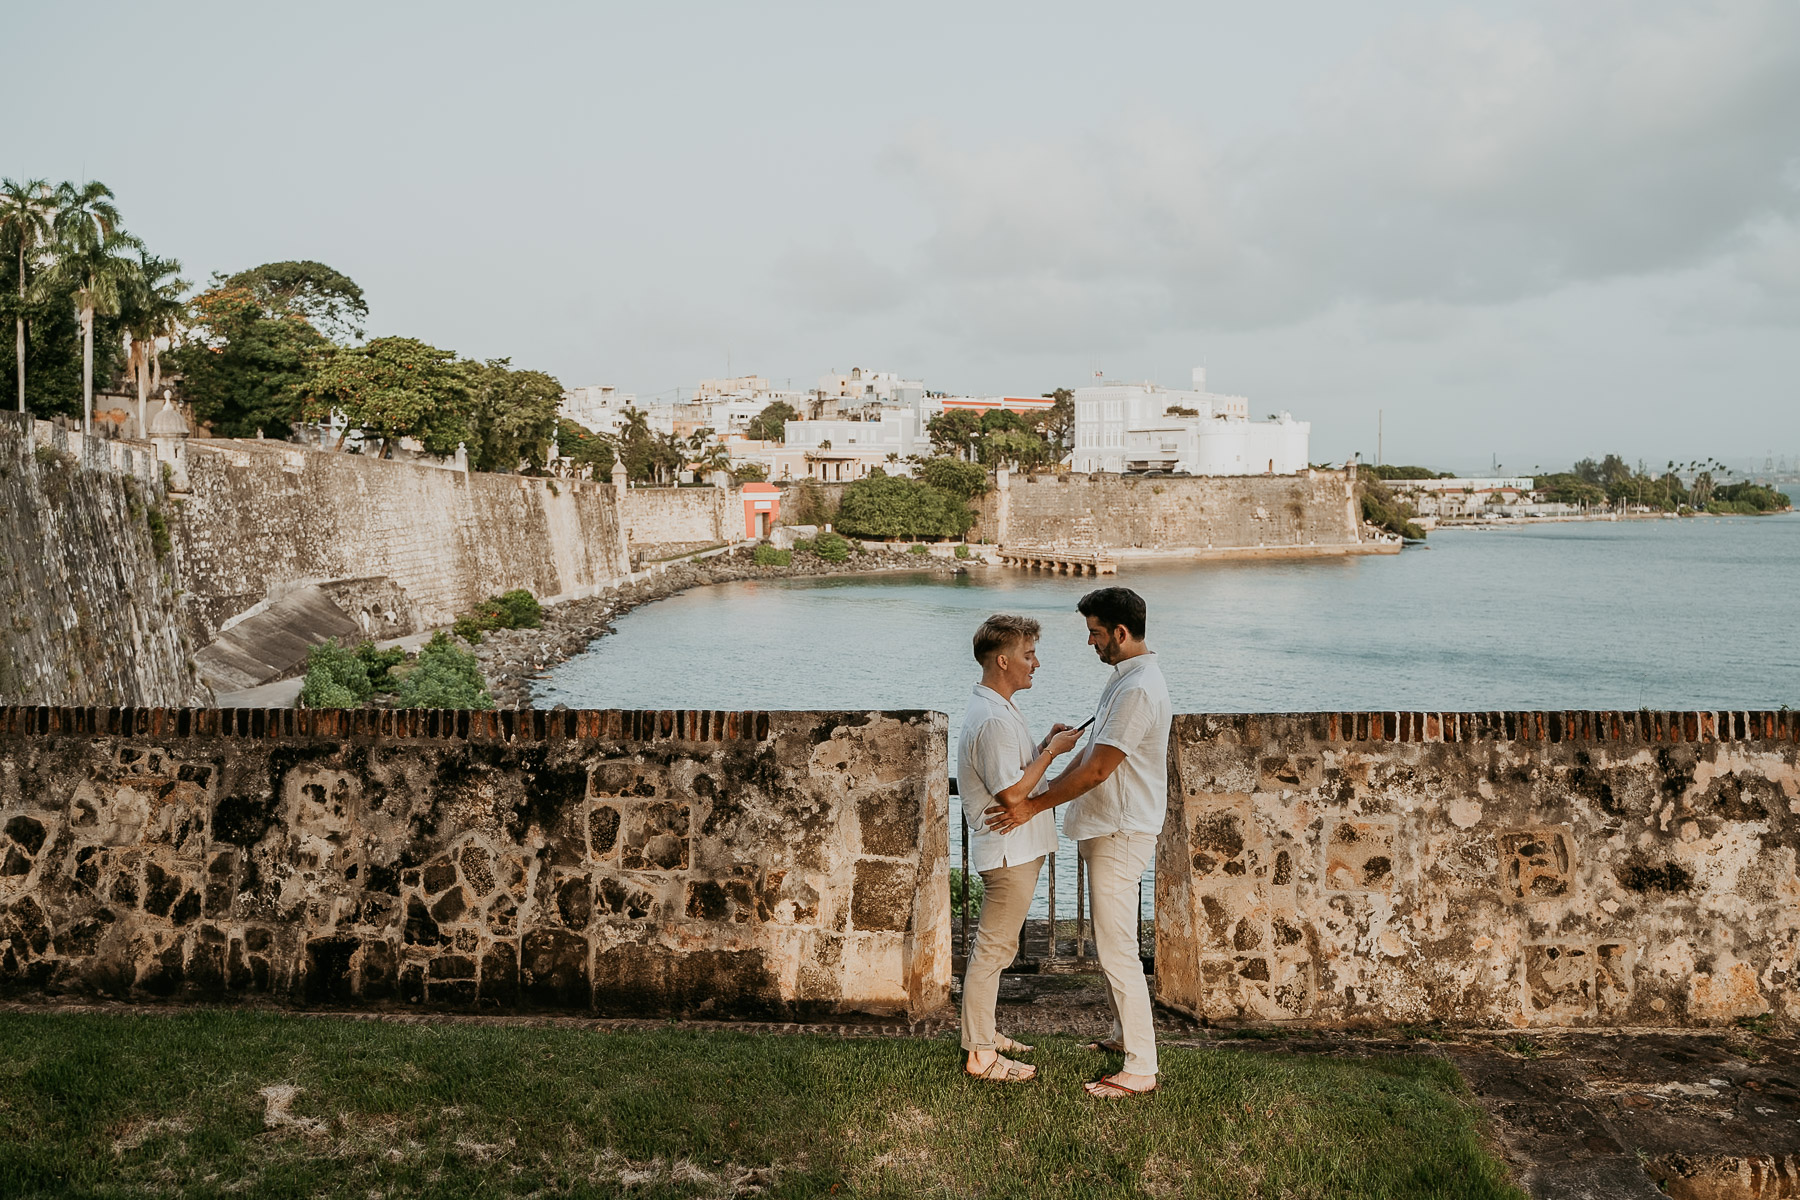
[{"x": 209, "y": 1103}]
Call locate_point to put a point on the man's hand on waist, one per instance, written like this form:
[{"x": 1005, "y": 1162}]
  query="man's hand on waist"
[{"x": 1006, "y": 816}]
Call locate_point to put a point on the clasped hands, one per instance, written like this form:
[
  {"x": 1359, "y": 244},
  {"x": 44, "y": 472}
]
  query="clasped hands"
[{"x": 1007, "y": 815}]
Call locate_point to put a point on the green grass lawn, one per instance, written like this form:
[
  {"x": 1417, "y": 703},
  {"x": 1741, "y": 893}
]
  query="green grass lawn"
[{"x": 179, "y": 1105}]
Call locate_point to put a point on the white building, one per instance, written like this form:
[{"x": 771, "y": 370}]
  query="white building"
[
  {"x": 1134, "y": 427},
  {"x": 841, "y": 395},
  {"x": 599, "y": 408},
  {"x": 841, "y": 449}
]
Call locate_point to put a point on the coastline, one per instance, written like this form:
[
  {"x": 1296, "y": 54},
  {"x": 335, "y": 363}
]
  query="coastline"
[{"x": 512, "y": 659}]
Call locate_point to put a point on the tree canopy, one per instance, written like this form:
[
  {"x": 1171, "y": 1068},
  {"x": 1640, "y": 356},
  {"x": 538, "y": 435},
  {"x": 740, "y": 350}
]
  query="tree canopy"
[
  {"x": 770, "y": 425},
  {"x": 395, "y": 387},
  {"x": 892, "y": 506},
  {"x": 328, "y": 300},
  {"x": 511, "y": 416}
]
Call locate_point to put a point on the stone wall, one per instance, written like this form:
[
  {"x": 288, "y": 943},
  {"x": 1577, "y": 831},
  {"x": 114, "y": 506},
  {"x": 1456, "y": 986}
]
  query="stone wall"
[
  {"x": 265, "y": 515},
  {"x": 612, "y": 862},
  {"x": 88, "y": 611},
  {"x": 672, "y": 519},
  {"x": 1180, "y": 516},
  {"x": 1496, "y": 869}
]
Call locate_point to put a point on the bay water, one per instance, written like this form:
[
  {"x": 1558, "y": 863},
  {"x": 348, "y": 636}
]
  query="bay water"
[{"x": 1661, "y": 614}]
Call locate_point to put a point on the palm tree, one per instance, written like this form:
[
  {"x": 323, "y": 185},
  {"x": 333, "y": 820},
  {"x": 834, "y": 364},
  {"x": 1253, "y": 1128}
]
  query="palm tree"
[
  {"x": 25, "y": 212},
  {"x": 92, "y": 260},
  {"x": 153, "y": 310}
]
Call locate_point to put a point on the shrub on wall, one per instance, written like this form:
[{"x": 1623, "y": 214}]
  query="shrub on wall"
[
  {"x": 444, "y": 677},
  {"x": 832, "y": 548},
  {"x": 335, "y": 678},
  {"x": 769, "y": 556},
  {"x": 517, "y": 609}
]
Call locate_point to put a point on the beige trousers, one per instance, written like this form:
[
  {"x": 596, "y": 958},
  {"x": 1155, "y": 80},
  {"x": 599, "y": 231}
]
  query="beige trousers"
[
  {"x": 1115, "y": 865},
  {"x": 1003, "y": 906}
]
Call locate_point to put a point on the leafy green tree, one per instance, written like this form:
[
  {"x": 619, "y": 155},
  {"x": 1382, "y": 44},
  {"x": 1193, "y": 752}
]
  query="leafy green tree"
[
  {"x": 1019, "y": 448},
  {"x": 892, "y": 506},
  {"x": 26, "y": 210},
  {"x": 956, "y": 432},
  {"x": 394, "y": 387},
  {"x": 151, "y": 310},
  {"x": 770, "y": 425},
  {"x": 244, "y": 366},
  {"x": 1392, "y": 472},
  {"x": 328, "y": 300},
  {"x": 53, "y": 340},
  {"x": 585, "y": 447},
  {"x": 965, "y": 480},
  {"x": 1057, "y": 427},
  {"x": 750, "y": 472},
  {"x": 512, "y": 416}
]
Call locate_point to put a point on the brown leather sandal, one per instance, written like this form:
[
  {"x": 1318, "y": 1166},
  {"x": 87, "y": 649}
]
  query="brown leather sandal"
[{"x": 1002, "y": 1070}]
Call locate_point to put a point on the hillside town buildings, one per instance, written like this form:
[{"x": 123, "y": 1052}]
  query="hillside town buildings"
[
  {"x": 855, "y": 422},
  {"x": 1144, "y": 427}
]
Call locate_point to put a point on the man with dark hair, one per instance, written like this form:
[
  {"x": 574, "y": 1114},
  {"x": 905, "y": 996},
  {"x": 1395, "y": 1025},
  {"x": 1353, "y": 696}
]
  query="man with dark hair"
[
  {"x": 1117, "y": 791},
  {"x": 997, "y": 759}
]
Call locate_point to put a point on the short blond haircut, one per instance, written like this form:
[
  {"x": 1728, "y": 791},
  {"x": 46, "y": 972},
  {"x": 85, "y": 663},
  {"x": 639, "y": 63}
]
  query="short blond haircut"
[{"x": 1000, "y": 632}]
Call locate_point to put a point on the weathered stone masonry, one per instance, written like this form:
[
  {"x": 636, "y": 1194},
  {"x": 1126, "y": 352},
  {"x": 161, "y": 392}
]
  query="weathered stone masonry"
[
  {"x": 1488, "y": 869},
  {"x": 88, "y": 610},
  {"x": 1501, "y": 869},
  {"x": 625, "y": 862}
]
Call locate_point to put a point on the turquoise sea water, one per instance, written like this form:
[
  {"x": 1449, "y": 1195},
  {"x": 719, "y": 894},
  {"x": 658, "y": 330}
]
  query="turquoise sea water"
[{"x": 1697, "y": 613}]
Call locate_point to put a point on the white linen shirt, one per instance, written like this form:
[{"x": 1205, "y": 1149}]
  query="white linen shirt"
[
  {"x": 1133, "y": 716},
  {"x": 991, "y": 755}
]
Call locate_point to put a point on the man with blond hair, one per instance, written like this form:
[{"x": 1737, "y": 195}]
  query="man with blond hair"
[
  {"x": 998, "y": 760},
  {"x": 1119, "y": 787}
]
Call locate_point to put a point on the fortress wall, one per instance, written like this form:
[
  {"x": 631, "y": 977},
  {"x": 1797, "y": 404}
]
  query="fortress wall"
[
  {"x": 613, "y": 862},
  {"x": 691, "y": 517},
  {"x": 1358, "y": 869},
  {"x": 1313, "y": 512},
  {"x": 88, "y": 611},
  {"x": 264, "y": 516},
  {"x": 1489, "y": 869}
]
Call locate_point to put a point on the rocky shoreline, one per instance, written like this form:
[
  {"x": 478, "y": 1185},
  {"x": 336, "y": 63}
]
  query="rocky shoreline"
[{"x": 513, "y": 658}]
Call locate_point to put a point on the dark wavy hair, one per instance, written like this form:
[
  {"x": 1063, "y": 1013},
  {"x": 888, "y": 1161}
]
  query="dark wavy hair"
[{"x": 1114, "y": 606}]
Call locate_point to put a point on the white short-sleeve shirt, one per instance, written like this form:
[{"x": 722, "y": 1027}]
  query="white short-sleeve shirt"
[
  {"x": 1133, "y": 716},
  {"x": 991, "y": 755}
]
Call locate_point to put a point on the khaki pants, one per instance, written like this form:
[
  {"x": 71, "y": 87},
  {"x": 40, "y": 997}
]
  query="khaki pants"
[
  {"x": 1004, "y": 903},
  {"x": 1115, "y": 865}
]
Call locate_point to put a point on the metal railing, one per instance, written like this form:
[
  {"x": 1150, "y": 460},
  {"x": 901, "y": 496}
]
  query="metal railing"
[{"x": 1084, "y": 917}]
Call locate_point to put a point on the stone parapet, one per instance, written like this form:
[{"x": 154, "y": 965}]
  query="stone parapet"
[
  {"x": 786, "y": 864},
  {"x": 1491, "y": 869}
]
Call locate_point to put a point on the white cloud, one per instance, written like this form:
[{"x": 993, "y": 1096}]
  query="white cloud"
[{"x": 1463, "y": 162}]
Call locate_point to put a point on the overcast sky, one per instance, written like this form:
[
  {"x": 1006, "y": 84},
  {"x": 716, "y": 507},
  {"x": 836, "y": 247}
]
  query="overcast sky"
[{"x": 1530, "y": 231}]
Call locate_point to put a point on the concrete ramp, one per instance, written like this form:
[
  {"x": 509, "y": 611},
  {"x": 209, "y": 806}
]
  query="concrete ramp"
[{"x": 272, "y": 643}]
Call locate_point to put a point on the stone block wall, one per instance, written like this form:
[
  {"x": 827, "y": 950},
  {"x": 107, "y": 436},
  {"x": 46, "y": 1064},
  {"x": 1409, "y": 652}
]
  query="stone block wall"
[
  {"x": 610, "y": 862},
  {"x": 1313, "y": 512},
  {"x": 88, "y": 610},
  {"x": 1489, "y": 869},
  {"x": 267, "y": 514},
  {"x": 672, "y": 519}
]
